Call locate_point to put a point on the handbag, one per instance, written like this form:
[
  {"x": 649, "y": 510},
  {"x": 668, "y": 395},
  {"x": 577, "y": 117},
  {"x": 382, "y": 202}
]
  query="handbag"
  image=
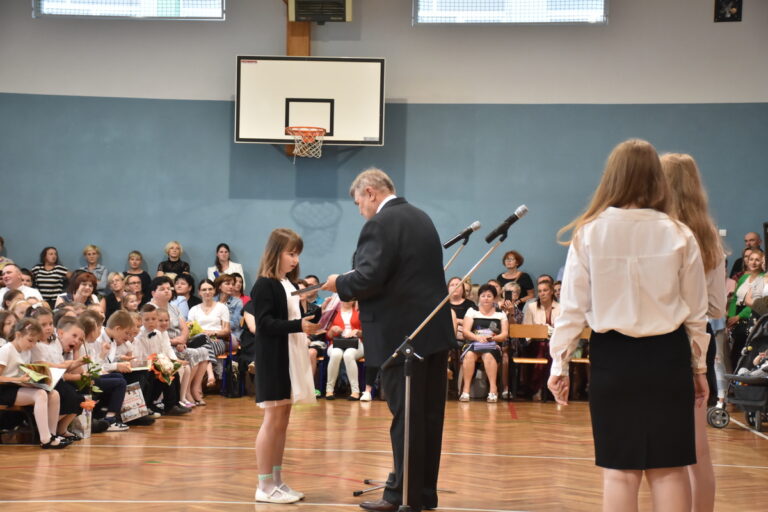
[{"x": 345, "y": 343}]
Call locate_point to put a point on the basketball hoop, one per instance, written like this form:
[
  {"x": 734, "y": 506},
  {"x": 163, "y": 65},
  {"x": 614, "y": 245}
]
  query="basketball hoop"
[{"x": 307, "y": 140}]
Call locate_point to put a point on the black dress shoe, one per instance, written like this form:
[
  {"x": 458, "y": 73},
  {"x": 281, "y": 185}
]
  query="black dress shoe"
[{"x": 379, "y": 506}]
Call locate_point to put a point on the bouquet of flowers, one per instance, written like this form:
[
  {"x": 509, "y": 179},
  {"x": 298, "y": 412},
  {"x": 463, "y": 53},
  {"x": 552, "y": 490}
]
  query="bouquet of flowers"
[
  {"x": 164, "y": 368},
  {"x": 194, "y": 329},
  {"x": 92, "y": 372}
]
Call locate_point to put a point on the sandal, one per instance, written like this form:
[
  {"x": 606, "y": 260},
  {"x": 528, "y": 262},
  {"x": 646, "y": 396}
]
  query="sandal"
[
  {"x": 59, "y": 444},
  {"x": 69, "y": 436}
]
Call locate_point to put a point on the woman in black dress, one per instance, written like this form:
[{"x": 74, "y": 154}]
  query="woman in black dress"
[
  {"x": 636, "y": 277},
  {"x": 283, "y": 373}
]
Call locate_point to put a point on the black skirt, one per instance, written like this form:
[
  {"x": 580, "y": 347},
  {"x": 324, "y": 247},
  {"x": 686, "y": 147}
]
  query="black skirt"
[
  {"x": 8, "y": 394},
  {"x": 641, "y": 399}
]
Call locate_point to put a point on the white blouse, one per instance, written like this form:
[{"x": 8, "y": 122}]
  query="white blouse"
[
  {"x": 211, "y": 321},
  {"x": 635, "y": 271}
]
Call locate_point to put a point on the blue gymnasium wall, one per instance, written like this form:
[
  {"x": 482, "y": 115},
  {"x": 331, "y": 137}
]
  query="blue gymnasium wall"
[{"x": 135, "y": 173}]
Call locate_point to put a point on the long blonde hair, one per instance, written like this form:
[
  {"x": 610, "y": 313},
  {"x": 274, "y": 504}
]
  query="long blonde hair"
[
  {"x": 280, "y": 240},
  {"x": 689, "y": 205},
  {"x": 632, "y": 176}
]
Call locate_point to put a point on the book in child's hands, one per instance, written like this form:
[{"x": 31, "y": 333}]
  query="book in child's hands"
[{"x": 43, "y": 376}]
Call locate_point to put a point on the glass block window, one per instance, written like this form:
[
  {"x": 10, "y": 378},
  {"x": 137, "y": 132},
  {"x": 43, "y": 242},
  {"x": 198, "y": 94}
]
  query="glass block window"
[
  {"x": 510, "y": 11},
  {"x": 152, "y": 9}
]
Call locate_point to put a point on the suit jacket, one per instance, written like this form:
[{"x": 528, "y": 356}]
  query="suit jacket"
[{"x": 398, "y": 280}]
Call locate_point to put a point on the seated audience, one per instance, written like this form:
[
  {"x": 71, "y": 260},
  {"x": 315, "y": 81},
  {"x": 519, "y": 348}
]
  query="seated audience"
[
  {"x": 50, "y": 350},
  {"x": 130, "y": 303},
  {"x": 20, "y": 307},
  {"x": 12, "y": 280},
  {"x": 224, "y": 286},
  {"x": 81, "y": 290},
  {"x": 7, "y": 321},
  {"x": 50, "y": 276},
  {"x": 542, "y": 311},
  {"x": 213, "y": 319},
  {"x": 313, "y": 297},
  {"x": 751, "y": 241},
  {"x": 484, "y": 328},
  {"x": 223, "y": 264},
  {"x": 513, "y": 260},
  {"x": 113, "y": 300},
  {"x": 92, "y": 256},
  {"x": 103, "y": 348},
  {"x": 147, "y": 342},
  {"x": 134, "y": 285},
  {"x": 545, "y": 277},
  {"x": 25, "y": 334},
  {"x": 240, "y": 288},
  {"x": 346, "y": 324},
  {"x": 12, "y": 296},
  {"x": 178, "y": 336},
  {"x": 556, "y": 289},
  {"x": 135, "y": 262},
  {"x": 27, "y": 279},
  {"x": 173, "y": 266},
  {"x": 183, "y": 287}
]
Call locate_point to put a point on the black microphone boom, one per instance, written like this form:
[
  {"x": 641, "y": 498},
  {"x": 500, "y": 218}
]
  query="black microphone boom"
[
  {"x": 504, "y": 226},
  {"x": 464, "y": 235}
]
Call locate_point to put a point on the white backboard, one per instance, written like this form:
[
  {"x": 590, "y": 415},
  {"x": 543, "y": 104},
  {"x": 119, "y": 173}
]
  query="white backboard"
[{"x": 343, "y": 95}]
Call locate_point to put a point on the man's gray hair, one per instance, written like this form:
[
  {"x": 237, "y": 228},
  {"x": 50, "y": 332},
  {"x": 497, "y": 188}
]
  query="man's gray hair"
[{"x": 374, "y": 178}]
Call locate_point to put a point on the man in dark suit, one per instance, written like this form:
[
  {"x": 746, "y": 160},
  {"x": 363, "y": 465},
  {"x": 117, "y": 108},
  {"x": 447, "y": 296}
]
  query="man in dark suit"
[{"x": 398, "y": 280}]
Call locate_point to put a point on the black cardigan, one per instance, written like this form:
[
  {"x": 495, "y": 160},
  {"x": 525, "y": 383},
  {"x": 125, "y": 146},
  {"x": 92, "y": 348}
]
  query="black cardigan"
[{"x": 272, "y": 380}]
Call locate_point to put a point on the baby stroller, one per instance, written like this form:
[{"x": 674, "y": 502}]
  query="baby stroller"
[{"x": 748, "y": 386}]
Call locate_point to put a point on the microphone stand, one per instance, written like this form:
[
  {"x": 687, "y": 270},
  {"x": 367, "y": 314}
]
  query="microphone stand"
[
  {"x": 407, "y": 351},
  {"x": 461, "y": 248}
]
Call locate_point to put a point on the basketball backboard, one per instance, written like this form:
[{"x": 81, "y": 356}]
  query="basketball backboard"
[{"x": 345, "y": 96}]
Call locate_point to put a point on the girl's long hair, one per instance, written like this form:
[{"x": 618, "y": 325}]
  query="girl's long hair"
[
  {"x": 689, "y": 204},
  {"x": 280, "y": 240},
  {"x": 633, "y": 177}
]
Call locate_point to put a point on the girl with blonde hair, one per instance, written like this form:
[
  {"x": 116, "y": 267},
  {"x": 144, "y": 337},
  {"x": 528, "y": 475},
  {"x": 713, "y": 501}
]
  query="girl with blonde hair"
[
  {"x": 689, "y": 205},
  {"x": 635, "y": 276}
]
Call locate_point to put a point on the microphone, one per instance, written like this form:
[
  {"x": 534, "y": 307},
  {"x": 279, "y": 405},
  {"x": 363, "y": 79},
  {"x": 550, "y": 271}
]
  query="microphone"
[
  {"x": 463, "y": 235},
  {"x": 504, "y": 226}
]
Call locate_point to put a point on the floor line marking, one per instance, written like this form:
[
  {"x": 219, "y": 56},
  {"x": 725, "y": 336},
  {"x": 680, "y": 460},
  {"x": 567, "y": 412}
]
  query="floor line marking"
[{"x": 749, "y": 428}]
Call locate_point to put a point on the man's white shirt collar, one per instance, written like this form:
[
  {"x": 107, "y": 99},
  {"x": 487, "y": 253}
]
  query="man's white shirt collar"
[{"x": 385, "y": 201}]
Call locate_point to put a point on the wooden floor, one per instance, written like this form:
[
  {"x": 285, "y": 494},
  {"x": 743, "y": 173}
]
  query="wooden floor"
[{"x": 504, "y": 456}]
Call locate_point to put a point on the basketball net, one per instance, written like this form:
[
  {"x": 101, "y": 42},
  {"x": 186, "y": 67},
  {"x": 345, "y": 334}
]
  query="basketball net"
[{"x": 307, "y": 140}]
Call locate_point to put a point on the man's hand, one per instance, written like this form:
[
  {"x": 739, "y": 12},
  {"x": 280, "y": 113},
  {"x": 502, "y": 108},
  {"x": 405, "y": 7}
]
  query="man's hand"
[
  {"x": 330, "y": 283},
  {"x": 124, "y": 367}
]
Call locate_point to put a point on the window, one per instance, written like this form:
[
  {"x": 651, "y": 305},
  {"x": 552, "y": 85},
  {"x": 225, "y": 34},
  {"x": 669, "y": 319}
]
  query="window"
[
  {"x": 510, "y": 11},
  {"x": 152, "y": 9}
]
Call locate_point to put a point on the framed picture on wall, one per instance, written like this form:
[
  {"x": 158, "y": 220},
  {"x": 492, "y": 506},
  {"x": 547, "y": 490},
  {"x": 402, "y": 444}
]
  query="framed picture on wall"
[{"x": 727, "y": 10}]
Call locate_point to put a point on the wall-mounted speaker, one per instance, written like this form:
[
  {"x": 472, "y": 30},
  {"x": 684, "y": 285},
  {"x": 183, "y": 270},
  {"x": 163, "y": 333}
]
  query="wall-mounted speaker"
[{"x": 320, "y": 11}]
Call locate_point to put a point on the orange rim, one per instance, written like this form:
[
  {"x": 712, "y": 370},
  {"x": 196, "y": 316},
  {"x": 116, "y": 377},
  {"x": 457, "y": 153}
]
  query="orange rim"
[{"x": 308, "y": 134}]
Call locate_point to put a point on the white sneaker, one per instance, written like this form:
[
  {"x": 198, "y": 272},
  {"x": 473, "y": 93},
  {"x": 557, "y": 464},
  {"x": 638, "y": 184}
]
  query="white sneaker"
[
  {"x": 492, "y": 398},
  {"x": 284, "y": 487},
  {"x": 464, "y": 397},
  {"x": 365, "y": 397},
  {"x": 277, "y": 495}
]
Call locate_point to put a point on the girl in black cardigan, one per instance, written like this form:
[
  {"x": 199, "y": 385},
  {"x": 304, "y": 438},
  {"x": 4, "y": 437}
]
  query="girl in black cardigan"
[{"x": 283, "y": 374}]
